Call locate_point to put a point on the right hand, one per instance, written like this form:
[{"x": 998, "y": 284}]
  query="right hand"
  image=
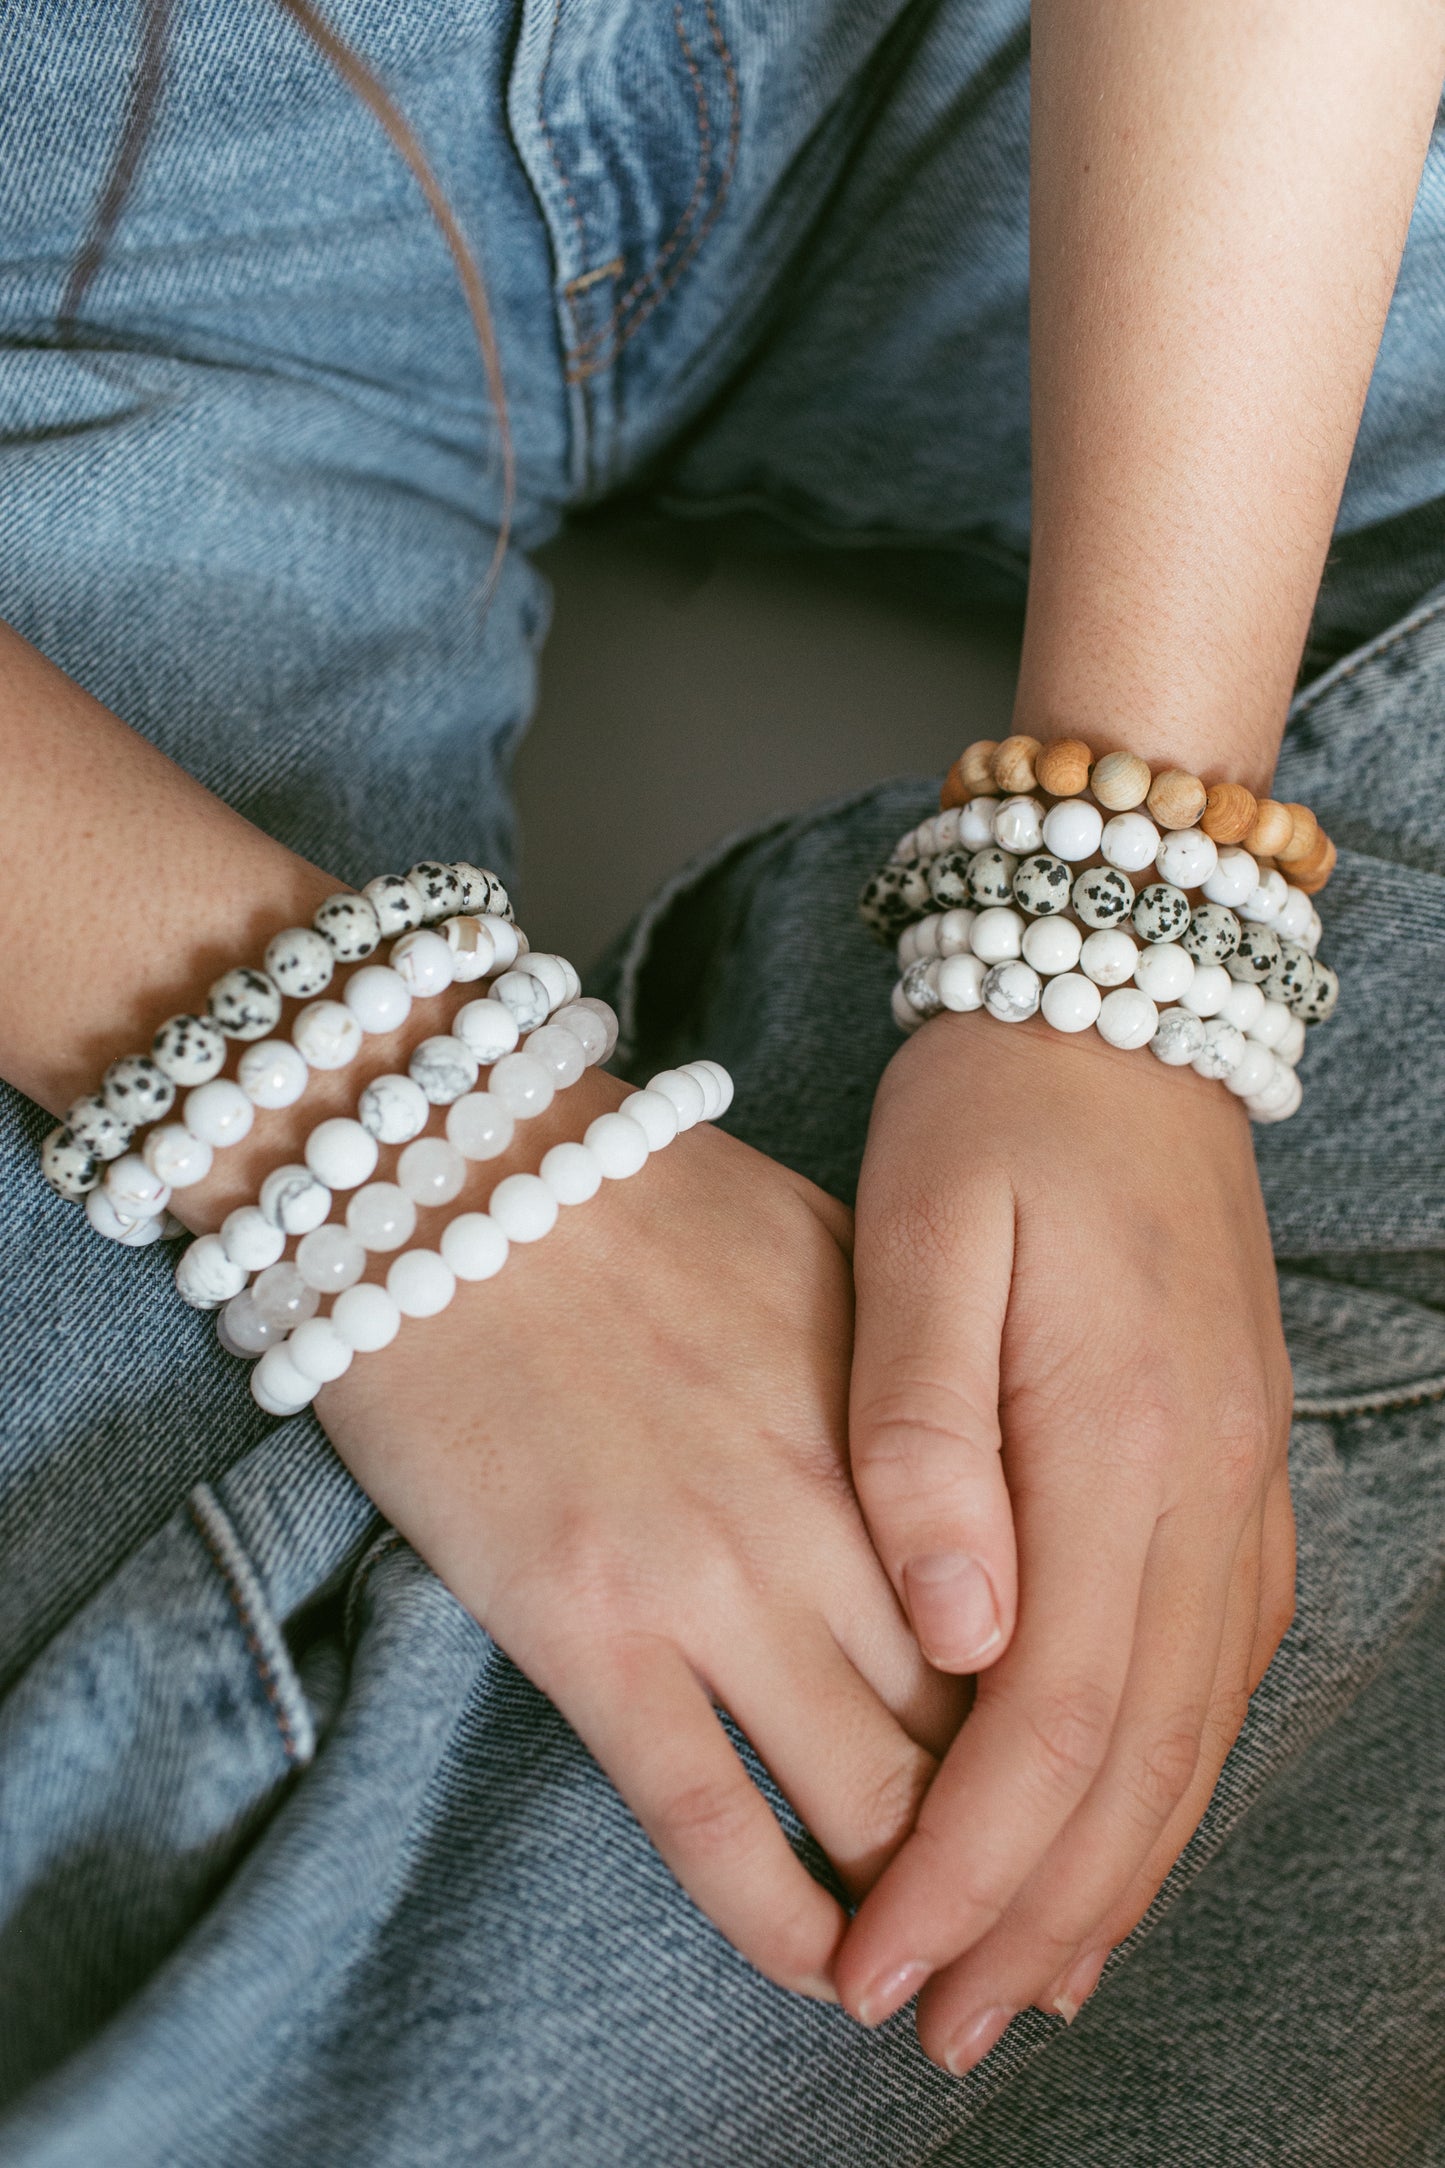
[{"x": 626, "y": 1455}]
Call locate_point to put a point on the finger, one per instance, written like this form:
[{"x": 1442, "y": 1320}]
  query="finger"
[
  {"x": 650, "y": 1725},
  {"x": 869, "y": 1626},
  {"x": 923, "y": 1413},
  {"x": 1033, "y": 1745},
  {"x": 1276, "y": 1577}
]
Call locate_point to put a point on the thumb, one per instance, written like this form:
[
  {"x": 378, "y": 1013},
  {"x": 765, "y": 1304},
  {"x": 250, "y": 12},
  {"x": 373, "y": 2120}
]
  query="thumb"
[{"x": 932, "y": 1292}]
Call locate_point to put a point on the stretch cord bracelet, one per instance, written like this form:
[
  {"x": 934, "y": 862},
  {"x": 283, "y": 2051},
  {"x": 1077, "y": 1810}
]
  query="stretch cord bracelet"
[{"x": 474, "y": 1246}]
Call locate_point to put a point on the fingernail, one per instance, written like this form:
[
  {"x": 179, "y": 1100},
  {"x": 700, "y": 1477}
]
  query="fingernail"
[
  {"x": 1069, "y": 1994},
  {"x": 973, "y": 2043},
  {"x": 953, "y": 1609},
  {"x": 818, "y": 1989},
  {"x": 890, "y": 1993}
]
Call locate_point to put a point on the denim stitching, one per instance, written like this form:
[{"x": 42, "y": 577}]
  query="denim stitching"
[
  {"x": 211, "y": 1524},
  {"x": 1384, "y": 1399},
  {"x": 388, "y": 1541},
  {"x": 1352, "y": 664},
  {"x": 560, "y": 170}
]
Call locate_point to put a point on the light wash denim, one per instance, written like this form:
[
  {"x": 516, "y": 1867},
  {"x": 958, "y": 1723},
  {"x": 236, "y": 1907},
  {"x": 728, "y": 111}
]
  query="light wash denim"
[{"x": 295, "y": 1867}]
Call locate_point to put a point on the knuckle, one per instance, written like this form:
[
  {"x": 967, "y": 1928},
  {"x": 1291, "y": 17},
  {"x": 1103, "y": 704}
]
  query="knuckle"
[
  {"x": 707, "y": 1818},
  {"x": 1070, "y": 1730},
  {"x": 1165, "y": 1768},
  {"x": 909, "y": 1422},
  {"x": 791, "y": 1947},
  {"x": 1225, "y": 1721},
  {"x": 890, "y": 1804}
]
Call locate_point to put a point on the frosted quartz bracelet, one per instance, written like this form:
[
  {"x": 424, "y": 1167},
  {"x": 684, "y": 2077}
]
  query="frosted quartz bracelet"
[{"x": 523, "y": 1208}]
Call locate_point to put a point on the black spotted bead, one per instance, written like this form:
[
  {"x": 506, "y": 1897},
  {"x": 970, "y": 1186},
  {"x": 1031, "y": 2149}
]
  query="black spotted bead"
[
  {"x": 1041, "y": 885},
  {"x": 96, "y": 1129},
  {"x": 1103, "y": 896},
  {"x": 349, "y": 927},
  {"x": 893, "y": 898},
  {"x": 137, "y": 1091},
  {"x": 300, "y": 961},
  {"x": 438, "y": 887},
  {"x": 1256, "y": 957},
  {"x": 245, "y": 1003},
  {"x": 397, "y": 903},
  {"x": 947, "y": 879},
  {"x": 1161, "y": 912},
  {"x": 478, "y": 887},
  {"x": 1292, "y": 977},
  {"x": 991, "y": 877},
  {"x": 190, "y": 1049},
  {"x": 68, "y": 1167},
  {"x": 1212, "y": 935},
  {"x": 1317, "y": 1004}
]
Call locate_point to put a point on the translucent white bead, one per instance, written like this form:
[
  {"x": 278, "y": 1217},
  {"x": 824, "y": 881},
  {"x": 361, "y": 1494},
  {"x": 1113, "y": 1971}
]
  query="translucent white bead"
[
  {"x": 242, "y": 1330},
  {"x": 136, "y": 1091},
  {"x": 686, "y": 1094},
  {"x": 249, "y": 1239},
  {"x": 1294, "y": 914},
  {"x": 1208, "y": 990},
  {"x": 1127, "y": 1017},
  {"x": 1264, "y": 905},
  {"x": 393, "y": 1109},
  {"x": 424, "y": 962},
  {"x": 1108, "y": 958},
  {"x": 960, "y": 983},
  {"x": 1072, "y": 829},
  {"x": 1011, "y": 991},
  {"x": 975, "y": 823},
  {"x": 506, "y": 941},
  {"x": 656, "y": 1114},
  {"x": 330, "y": 1258},
  {"x": 397, "y": 904},
  {"x": 219, "y": 1113},
  {"x": 998, "y": 934},
  {"x": 189, "y": 1049},
  {"x": 278, "y": 1386},
  {"x": 1179, "y": 1039},
  {"x": 525, "y": 996},
  {"x": 618, "y": 1145},
  {"x": 282, "y": 1297},
  {"x": 488, "y": 1028},
  {"x": 205, "y": 1275},
  {"x": 319, "y": 1352},
  {"x": 560, "y": 1053},
  {"x": 707, "y": 1066},
  {"x": 955, "y": 932},
  {"x": 905, "y": 1016},
  {"x": 571, "y": 1172},
  {"x": 1271, "y": 1024},
  {"x": 327, "y": 1034},
  {"x": 134, "y": 1189},
  {"x": 175, "y": 1157},
  {"x": 1130, "y": 841},
  {"x": 431, "y": 1171},
  {"x": 273, "y": 1073},
  {"x": 378, "y": 997},
  {"x": 1292, "y": 1045},
  {"x": 366, "y": 1318},
  {"x": 1223, "y": 1048},
  {"x": 586, "y": 1027},
  {"x": 421, "y": 1283},
  {"x": 474, "y": 1246},
  {"x": 245, "y": 1003},
  {"x": 1018, "y": 826},
  {"x": 1233, "y": 877},
  {"x": 559, "y": 980},
  {"x": 1070, "y": 1002},
  {"x": 521, "y": 1085},
  {"x": 293, "y": 1200},
  {"x": 1243, "y": 1005},
  {"x": 341, "y": 1153},
  {"x": 439, "y": 889},
  {"x": 300, "y": 962},
  {"x": 1188, "y": 858},
  {"x": 605, "y": 1014},
  {"x": 1251, "y": 1072},
  {"x": 381, "y": 1216},
  {"x": 480, "y": 1126},
  {"x": 349, "y": 927},
  {"x": 1165, "y": 971},
  {"x": 444, "y": 1067},
  {"x": 1053, "y": 944},
  {"x": 523, "y": 1207},
  {"x": 130, "y": 1233}
]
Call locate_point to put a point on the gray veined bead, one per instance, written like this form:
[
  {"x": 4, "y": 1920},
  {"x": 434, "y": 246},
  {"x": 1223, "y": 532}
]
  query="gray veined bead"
[
  {"x": 947, "y": 878},
  {"x": 1103, "y": 896},
  {"x": 1256, "y": 957},
  {"x": 1041, "y": 885},
  {"x": 990, "y": 877},
  {"x": 1161, "y": 912},
  {"x": 919, "y": 990},
  {"x": 1179, "y": 1038},
  {"x": 893, "y": 898},
  {"x": 1212, "y": 935}
]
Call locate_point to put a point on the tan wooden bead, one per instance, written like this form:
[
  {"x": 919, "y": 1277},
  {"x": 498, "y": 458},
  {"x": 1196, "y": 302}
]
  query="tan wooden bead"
[
  {"x": 955, "y": 791},
  {"x": 1013, "y": 764},
  {"x": 975, "y": 765},
  {"x": 1120, "y": 781},
  {"x": 1062, "y": 768},
  {"x": 1230, "y": 812},
  {"x": 1303, "y": 832},
  {"x": 1176, "y": 799},
  {"x": 1311, "y": 873},
  {"x": 1273, "y": 825}
]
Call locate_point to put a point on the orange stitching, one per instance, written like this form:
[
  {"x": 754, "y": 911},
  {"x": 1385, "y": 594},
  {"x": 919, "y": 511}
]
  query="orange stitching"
[
  {"x": 252, "y": 1639},
  {"x": 594, "y": 278},
  {"x": 557, "y": 166}
]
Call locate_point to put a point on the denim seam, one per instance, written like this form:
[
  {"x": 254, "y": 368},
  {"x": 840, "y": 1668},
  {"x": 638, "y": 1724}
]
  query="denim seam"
[
  {"x": 1349, "y": 665},
  {"x": 1383, "y": 1400},
  {"x": 262, "y": 1636},
  {"x": 381, "y": 1546}
]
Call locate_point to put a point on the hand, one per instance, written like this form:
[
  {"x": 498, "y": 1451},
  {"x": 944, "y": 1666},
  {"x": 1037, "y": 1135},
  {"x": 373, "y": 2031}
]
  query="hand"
[
  {"x": 1068, "y": 1349},
  {"x": 626, "y": 1456}
]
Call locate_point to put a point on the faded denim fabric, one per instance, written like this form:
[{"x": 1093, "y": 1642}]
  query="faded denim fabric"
[{"x": 294, "y": 1866}]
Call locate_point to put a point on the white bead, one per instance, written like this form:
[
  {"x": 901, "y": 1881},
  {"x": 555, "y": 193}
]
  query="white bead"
[
  {"x": 618, "y": 1145},
  {"x": 1070, "y": 1002},
  {"x": 506, "y": 940},
  {"x": 381, "y": 1216},
  {"x": 1109, "y": 957},
  {"x": 1243, "y": 1005},
  {"x": 1072, "y": 829},
  {"x": 318, "y": 1351},
  {"x": 925, "y": 935},
  {"x": 998, "y": 934},
  {"x": 724, "y": 1079},
  {"x": 1275, "y": 1091},
  {"x": 559, "y": 980},
  {"x": 1165, "y": 971},
  {"x": 521, "y": 1085},
  {"x": 175, "y": 1157},
  {"x": 1294, "y": 914},
  {"x": 273, "y": 1073},
  {"x": 424, "y": 962},
  {"x": 1292, "y": 1045},
  {"x": 975, "y": 823},
  {"x": 293, "y": 1200},
  {"x": 955, "y": 931},
  {"x": 525, "y": 996},
  {"x": 1127, "y": 1017},
  {"x": 712, "y": 1097},
  {"x": 278, "y": 1386},
  {"x": 1223, "y": 1049},
  {"x": 656, "y": 1115},
  {"x": 480, "y": 1126},
  {"x": 1208, "y": 990},
  {"x": 1232, "y": 880},
  {"x": 687, "y": 1096},
  {"x": 431, "y": 1171},
  {"x": 393, "y": 1109},
  {"x": 1251, "y": 1072},
  {"x": 1018, "y": 826},
  {"x": 378, "y": 997},
  {"x": 960, "y": 983},
  {"x": 1053, "y": 944},
  {"x": 397, "y": 904},
  {"x": 1130, "y": 841},
  {"x": 488, "y": 1027},
  {"x": 605, "y": 1014},
  {"x": 1271, "y": 1024},
  {"x": 523, "y": 1207},
  {"x": 341, "y": 1152},
  {"x": 115, "y": 1227},
  {"x": 349, "y": 927},
  {"x": 444, "y": 1067},
  {"x": 586, "y": 1027},
  {"x": 327, "y": 1034},
  {"x": 945, "y": 827},
  {"x": 134, "y": 1189},
  {"x": 1276, "y": 1105},
  {"x": 366, "y": 1318},
  {"x": 421, "y": 1283},
  {"x": 189, "y": 1049},
  {"x": 1310, "y": 939},
  {"x": 205, "y": 1275},
  {"x": 219, "y": 1113},
  {"x": 908, "y": 950},
  {"x": 330, "y": 1258},
  {"x": 474, "y": 1246},
  {"x": 282, "y": 1297},
  {"x": 242, "y": 1330},
  {"x": 249, "y": 1239},
  {"x": 571, "y": 1172},
  {"x": 1187, "y": 857},
  {"x": 1179, "y": 1039},
  {"x": 1262, "y": 907},
  {"x": 136, "y": 1091},
  {"x": 245, "y": 1003},
  {"x": 1011, "y": 991},
  {"x": 300, "y": 962},
  {"x": 560, "y": 1053},
  {"x": 905, "y": 1016},
  {"x": 473, "y": 951}
]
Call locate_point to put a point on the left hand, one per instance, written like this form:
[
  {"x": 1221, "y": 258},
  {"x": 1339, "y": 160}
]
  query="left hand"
[{"x": 1068, "y": 1350}]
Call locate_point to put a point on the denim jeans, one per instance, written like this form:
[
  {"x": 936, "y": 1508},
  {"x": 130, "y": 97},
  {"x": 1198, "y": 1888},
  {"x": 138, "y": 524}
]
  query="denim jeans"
[{"x": 294, "y": 1865}]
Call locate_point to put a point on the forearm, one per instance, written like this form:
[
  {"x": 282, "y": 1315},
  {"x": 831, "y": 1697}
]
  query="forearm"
[{"x": 1220, "y": 194}]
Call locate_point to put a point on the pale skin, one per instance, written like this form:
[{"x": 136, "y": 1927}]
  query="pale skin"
[{"x": 1220, "y": 196}]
